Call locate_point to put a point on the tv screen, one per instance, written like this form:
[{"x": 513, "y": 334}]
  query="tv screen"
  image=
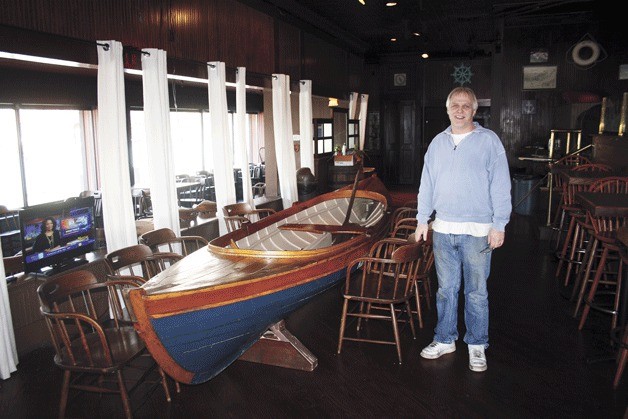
[{"x": 55, "y": 234}]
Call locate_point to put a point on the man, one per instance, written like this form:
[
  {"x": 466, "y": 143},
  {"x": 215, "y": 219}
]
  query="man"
[{"x": 466, "y": 181}]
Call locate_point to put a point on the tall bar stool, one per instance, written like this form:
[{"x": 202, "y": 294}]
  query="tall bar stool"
[
  {"x": 605, "y": 233},
  {"x": 559, "y": 186},
  {"x": 573, "y": 246},
  {"x": 622, "y": 355}
]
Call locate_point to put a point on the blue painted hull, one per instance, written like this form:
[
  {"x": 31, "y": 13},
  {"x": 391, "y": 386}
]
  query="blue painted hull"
[{"x": 207, "y": 341}]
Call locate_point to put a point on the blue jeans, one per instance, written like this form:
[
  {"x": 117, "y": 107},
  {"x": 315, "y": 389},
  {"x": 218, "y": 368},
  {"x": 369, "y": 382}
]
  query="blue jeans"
[{"x": 457, "y": 256}]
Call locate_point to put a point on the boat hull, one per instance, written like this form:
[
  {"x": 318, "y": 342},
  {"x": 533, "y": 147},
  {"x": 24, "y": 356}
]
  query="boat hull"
[{"x": 206, "y": 342}]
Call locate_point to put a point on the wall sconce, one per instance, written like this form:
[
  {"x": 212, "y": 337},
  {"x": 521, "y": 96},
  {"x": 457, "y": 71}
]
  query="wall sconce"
[{"x": 333, "y": 102}]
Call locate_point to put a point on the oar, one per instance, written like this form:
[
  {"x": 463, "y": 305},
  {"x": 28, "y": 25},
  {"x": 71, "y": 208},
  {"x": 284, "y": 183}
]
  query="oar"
[{"x": 355, "y": 188}]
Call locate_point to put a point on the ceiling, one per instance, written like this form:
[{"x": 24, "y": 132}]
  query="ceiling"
[{"x": 442, "y": 28}]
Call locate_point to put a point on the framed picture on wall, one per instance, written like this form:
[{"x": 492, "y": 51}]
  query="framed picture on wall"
[
  {"x": 399, "y": 79},
  {"x": 538, "y": 56},
  {"x": 539, "y": 77}
]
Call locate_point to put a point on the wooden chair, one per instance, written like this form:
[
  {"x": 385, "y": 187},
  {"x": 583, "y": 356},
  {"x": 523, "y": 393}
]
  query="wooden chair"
[
  {"x": 90, "y": 347},
  {"x": 242, "y": 213},
  {"x": 13, "y": 265},
  {"x": 194, "y": 196},
  {"x": 259, "y": 189},
  {"x": 165, "y": 240},
  {"x": 206, "y": 209},
  {"x": 381, "y": 289},
  {"x": 425, "y": 274},
  {"x": 182, "y": 178},
  {"x": 139, "y": 261},
  {"x": 404, "y": 229},
  {"x": 400, "y": 213},
  {"x": 9, "y": 231},
  {"x": 187, "y": 217},
  {"x": 154, "y": 237}
]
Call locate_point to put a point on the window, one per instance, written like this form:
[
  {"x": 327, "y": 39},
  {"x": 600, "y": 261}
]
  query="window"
[
  {"x": 323, "y": 136},
  {"x": 191, "y": 142},
  {"x": 11, "y": 190},
  {"x": 53, "y": 155},
  {"x": 187, "y": 144},
  {"x": 353, "y": 134}
]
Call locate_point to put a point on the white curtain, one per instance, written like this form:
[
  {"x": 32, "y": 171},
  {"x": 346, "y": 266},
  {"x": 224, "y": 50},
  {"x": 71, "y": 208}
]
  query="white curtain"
[
  {"x": 306, "y": 124},
  {"x": 241, "y": 155},
  {"x": 221, "y": 140},
  {"x": 284, "y": 147},
  {"x": 364, "y": 100},
  {"x": 353, "y": 105},
  {"x": 163, "y": 191},
  {"x": 113, "y": 158},
  {"x": 8, "y": 350}
]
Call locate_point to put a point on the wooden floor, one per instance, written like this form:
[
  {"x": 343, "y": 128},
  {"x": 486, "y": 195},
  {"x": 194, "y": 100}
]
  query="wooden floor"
[{"x": 539, "y": 364}]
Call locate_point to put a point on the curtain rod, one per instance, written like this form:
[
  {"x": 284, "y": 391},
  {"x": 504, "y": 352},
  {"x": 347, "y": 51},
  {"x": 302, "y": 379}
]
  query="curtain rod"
[
  {"x": 126, "y": 48},
  {"x": 105, "y": 46}
]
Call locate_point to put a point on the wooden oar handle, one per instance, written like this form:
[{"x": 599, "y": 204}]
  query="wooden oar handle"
[{"x": 324, "y": 228}]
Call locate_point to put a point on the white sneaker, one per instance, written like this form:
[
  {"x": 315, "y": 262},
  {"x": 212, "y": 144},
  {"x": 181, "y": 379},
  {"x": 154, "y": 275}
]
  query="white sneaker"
[
  {"x": 477, "y": 359},
  {"x": 436, "y": 349}
]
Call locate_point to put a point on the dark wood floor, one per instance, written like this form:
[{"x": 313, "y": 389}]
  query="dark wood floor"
[{"x": 539, "y": 364}]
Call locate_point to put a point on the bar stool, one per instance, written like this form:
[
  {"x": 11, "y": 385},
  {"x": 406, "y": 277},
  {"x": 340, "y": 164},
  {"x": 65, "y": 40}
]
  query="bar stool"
[
  {"x": 604, "y": 233},
  {"x": 573, "y": 246},
  {"x": 559, "y": 186},
  {"x": 622, "y": 356}
]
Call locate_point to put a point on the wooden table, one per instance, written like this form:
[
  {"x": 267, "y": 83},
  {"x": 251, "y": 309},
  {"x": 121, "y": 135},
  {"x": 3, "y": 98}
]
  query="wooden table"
[
  {"x": 575, "y": 177},
  {"x": 604, "y": 204}
]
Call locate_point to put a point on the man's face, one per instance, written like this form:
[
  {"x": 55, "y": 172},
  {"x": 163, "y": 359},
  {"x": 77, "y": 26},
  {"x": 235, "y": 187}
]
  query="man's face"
[{"x": 461, "y": 113}]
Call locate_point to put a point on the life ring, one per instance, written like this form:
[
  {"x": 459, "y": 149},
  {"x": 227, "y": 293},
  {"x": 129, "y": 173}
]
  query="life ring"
[{"x": 595, "y": 53}]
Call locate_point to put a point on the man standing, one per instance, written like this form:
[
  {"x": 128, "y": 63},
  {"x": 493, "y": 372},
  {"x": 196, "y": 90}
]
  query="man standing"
[{"x": 466, "y": 181}]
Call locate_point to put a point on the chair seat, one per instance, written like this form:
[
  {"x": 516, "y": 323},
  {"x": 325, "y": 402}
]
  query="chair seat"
[
  {"x": 374, "y": 292},
  {"x": 124, "y": 344}
]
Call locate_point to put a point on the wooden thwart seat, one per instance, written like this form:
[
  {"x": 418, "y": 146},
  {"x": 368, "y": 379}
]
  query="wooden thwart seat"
[{"x": 324, "y": 228}]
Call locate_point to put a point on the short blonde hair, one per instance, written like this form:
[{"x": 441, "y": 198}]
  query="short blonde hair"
[{"x": 463, "y": 90}]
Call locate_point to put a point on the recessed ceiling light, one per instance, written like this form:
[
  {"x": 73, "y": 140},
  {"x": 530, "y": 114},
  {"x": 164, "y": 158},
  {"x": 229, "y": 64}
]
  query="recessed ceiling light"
[
  {"x": 362, "y": 2},
  {"x": 425, "y": 55},
  {"x": 391, "y": 3},
  {"x": 416, "y": 34},
  {"x": 393, "y": 39}
]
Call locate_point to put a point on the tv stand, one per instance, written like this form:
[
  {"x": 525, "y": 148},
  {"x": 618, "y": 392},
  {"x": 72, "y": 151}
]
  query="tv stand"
[{"x": 62, "y": 267}]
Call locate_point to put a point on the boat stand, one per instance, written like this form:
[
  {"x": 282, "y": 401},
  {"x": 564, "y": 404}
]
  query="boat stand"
[{"x": 280, "y": 348}]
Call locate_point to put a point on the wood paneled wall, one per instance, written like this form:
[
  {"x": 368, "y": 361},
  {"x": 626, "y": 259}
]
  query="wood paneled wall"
[
  {"x": 500, "y": 79},
  {"x": 191, "y": 31}
]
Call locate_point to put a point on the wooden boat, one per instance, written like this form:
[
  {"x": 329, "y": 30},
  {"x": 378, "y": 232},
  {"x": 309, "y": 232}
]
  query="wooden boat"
[{"x": 205, "y": 311}]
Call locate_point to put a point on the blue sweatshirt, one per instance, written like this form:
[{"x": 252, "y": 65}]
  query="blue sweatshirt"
[{"x": 469, "y": 182}]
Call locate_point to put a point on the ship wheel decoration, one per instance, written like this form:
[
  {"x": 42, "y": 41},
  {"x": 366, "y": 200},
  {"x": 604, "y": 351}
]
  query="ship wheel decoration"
[{"x": 462, "y": 74}]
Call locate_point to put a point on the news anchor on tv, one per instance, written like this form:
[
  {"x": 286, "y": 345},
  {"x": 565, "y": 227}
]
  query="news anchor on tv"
[{"x": 49, "y": 238}]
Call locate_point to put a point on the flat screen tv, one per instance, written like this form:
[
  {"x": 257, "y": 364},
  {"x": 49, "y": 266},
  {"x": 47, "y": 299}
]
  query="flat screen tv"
[{"x": 54, "y": 235}]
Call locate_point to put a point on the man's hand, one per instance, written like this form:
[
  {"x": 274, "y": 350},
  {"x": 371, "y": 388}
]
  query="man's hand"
[
  {"x": 421, "y": 232},
  {"x": 495, "y": 238}
]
